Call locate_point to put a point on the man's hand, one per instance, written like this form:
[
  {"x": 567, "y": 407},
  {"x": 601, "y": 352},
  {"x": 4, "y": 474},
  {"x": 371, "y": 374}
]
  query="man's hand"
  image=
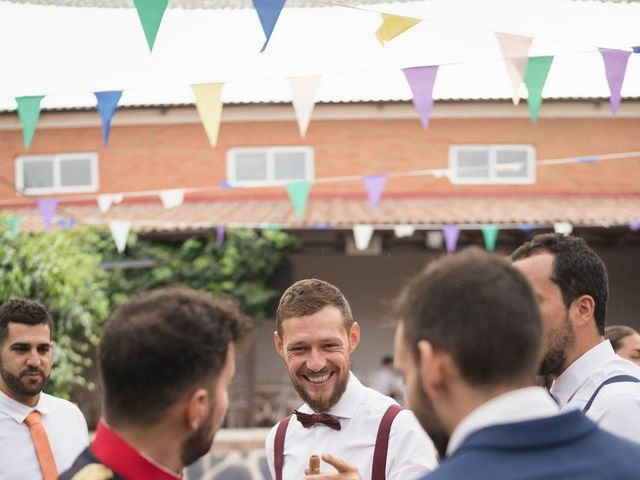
[{"x": 344, "y": 470}]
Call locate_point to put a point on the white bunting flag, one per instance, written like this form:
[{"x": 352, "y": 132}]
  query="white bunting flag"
[
  {"x": 401, "y": 231},
  {"x": 362, "y": 235},
  {"x": 303, "y": 92},
  {"x": 104, "y": 202},
  {"x": 563, "y": 228},
  {"x": 120, "y": 233},
  {"x": 172, "y": 198},
  {"x": 515, "y": 50}
]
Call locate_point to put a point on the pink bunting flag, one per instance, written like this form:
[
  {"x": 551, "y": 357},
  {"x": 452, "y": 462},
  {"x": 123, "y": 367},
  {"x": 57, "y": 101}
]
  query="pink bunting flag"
[
  {"x": 220, "y": 235},
  {"x": 47, "y": 207},
  {"x": 375, "y": 186},
  {"x": 421, "y": 81},
  {"x": 615, "y": 66},
  {"x": 451, "y": 234}
]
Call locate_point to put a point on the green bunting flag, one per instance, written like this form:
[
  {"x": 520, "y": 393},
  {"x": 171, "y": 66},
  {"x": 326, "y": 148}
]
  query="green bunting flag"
[
  {"x": 537, "y": 71},
  {"x": 490, "y": 234},
  {"x": 29, "y": 112},
  {"x": 299, "y": 193},
  {"x": 150, "y": 13}
]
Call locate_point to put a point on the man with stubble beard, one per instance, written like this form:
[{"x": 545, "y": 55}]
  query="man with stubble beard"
[
  {"x": 359, "y": 432},
  {"x": 571, "y": 286},
  {"x": 40, "y": 434},
  {"x": 166, "y": 357}
]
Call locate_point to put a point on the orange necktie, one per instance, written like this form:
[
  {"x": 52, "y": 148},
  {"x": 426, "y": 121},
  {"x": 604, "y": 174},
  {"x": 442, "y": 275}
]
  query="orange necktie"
[{"x": 43, "y": 449}]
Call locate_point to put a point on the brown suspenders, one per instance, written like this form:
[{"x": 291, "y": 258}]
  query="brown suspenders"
[{"x": 379, "y": 453}]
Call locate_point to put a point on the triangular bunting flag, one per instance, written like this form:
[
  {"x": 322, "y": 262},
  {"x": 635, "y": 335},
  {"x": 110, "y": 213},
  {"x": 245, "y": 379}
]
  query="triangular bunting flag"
[
  {"x": 362, "y": 235},
  {"x": 12, "y": 225},
  {"x": 299, "y": 193},
  {"x": 401, "y": 231},
  {"x": 563, "y": 228},
  {"x": 104, "y": 202},
  {"x": 303, "y": 92},
  {"x": 28, "y": 112},
  {"x": 421, "y": 80},
  {"x": 515, "y": 50},
  {"x": 47, "y": 207},
  {"x": 120, "y": 233},
  {"x": 151, "y": 13},
  {"x": 66, "y": 223},
  {"x": 268, "y": 12},
  {"x": 451, "y": 234},
  {"x": 107, "y": 104},
  {"x": 634, "y": 225},
  {"x": 434, "y": 240},
  {"x": 172, "y": 198},
  {"x": 490, "y": 234},
  {"x": 209, "y": 105},
  {"x": 537, "y": 71},
  {"x": 615, "y": 66},
  {"x": 220, "y": 231},
  {"x": 375, "y": 186},
  {"x": 394, "y": 25}
]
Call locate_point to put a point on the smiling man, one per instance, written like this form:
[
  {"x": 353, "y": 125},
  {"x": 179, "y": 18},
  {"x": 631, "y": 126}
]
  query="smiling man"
[
  {"x": 40, "y": 434},
  {"x": 361, "y": 433}
]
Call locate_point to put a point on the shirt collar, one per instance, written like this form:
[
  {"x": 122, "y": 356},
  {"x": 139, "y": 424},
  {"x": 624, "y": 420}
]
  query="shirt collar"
[
  {"x": 122, "y": 458},
  {"x": 568, "y": 383},
  {"x": 19, "y": 411},
  {"x": 348, "y": 403},
  {"x": 516, "y": 406}
]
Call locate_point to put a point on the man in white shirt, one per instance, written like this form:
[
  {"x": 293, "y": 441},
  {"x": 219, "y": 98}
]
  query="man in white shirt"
[
  {"x": 468, "y": 344},
  {"x": 26, "y": 355},
  {"x": 571, "y": 286},
  {"x": 342, "y": 420},
  {"x": 388, "y": 381}
]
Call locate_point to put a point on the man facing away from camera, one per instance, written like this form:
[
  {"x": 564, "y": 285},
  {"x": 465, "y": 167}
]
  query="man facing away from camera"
[
  {"x": 40, "y": 435},
  {"x": 166, "y": 358},
  {"x": 468, "y": 344},
  {"x": 571, "y": 285},
  {"x": 359, "y": 433}
]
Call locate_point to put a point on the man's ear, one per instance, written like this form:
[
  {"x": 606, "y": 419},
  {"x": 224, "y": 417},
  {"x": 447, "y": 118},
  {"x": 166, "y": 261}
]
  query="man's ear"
[
  {"x": 278, "y": 343},
  {"x": 432, "y": 368},
  {"x": 584, "y": 308},
  {"x": 197, "y": 408},
  {"x": 354, "y": 336}
]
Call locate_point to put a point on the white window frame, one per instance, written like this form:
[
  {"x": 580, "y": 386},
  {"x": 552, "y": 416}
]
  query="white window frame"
[
  {"x": 270, "y": 154},
  {"x": 56, "y": 159},
  {"x": 492, "y": 178}
]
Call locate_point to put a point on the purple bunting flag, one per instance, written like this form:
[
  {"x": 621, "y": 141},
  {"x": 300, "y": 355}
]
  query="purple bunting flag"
[
  {"x": 634, "y": 225},
  {"x": 47, "y": 208},
  {"x": 107, "y": 104},
  {"x": 421, "y": 81},
  {"x": 375, "y": 186},
  {"x": 451, "y": 234},
  {"x": 615, "y": 66},
  {"x": 268, "y": 12},
  {"x": 220, "y": 235}
]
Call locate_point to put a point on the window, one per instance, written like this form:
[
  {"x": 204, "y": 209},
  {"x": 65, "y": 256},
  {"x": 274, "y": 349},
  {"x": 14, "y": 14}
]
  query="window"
[
  {"x": 269, "y": 165},
  {"x": 477, "y": 164},
  {"x": 62, "y": 173}
]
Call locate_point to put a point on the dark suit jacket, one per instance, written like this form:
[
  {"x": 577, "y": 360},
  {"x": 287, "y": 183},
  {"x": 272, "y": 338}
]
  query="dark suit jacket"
[
  {"x": 88, "y": 467},
  {"x": 565, "y": 447}
]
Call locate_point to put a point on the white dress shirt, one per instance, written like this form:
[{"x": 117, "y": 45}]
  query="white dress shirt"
[
  {"x": 411, "y": 453},
  {"x": 66, "y": 430},
  {"x": 519, "y": 405},
  {"x": 616, "y": 408}
]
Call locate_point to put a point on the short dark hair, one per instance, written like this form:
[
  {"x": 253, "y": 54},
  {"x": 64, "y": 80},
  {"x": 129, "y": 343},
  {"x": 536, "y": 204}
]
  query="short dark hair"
[
  {"x": 21, "y": 310},
  {"x": 309, "y": 296},
  {"x": 159, "y": 345},
  {"x": 480, "y": 310},
  {"x": 577, "y": 269},
  {"x": 616, "y": 333}
]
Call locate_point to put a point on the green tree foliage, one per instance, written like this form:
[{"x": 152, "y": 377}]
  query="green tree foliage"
[{"x": 62, "y": 271}]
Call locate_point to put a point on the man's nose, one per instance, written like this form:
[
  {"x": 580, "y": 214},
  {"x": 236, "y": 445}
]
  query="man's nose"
[
  {"x": 34, "y": 360},
  {"x": 316, "y": 361}
]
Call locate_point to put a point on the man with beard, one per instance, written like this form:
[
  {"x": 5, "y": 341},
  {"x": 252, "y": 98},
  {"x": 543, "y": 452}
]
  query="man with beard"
[
  {"x": 571, "y": 285},
  {"x": 39, "y": 434},
  {"x": 468, "y": 344},
  {"x": 166, "y": 358},
  {"x": 374, "y": 437}
]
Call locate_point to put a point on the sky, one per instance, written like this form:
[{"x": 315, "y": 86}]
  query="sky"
[{"x": 67, "y": 53}]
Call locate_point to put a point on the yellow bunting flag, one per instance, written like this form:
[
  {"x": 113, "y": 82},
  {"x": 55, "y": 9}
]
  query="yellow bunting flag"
[
  {"x": 209, "y": 105},
  {"x": 394, "y": 25}
]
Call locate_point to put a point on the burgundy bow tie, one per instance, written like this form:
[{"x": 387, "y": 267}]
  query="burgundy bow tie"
[{"x": 307, "y": 419}]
